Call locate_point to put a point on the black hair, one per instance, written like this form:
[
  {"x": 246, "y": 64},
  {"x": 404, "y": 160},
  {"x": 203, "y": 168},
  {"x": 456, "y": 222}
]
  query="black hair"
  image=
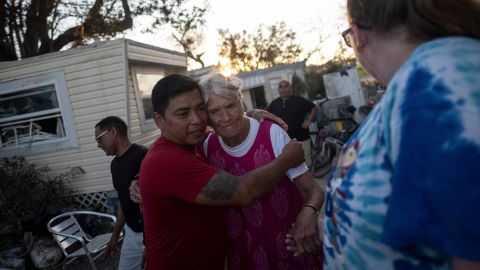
[
  {"x": 169, "y": 87},
  {"x": 113, "y": 122}
]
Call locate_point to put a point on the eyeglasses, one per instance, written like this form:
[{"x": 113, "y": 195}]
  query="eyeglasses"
[
  {"x": 99, "y": 137},
  {"x": 347, "y": 36}
]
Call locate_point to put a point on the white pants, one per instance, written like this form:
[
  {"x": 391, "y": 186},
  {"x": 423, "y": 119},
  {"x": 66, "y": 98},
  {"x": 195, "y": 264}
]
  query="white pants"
[
  {"x": 307, "y": 149},
  {"x": 132, "y": 250}
]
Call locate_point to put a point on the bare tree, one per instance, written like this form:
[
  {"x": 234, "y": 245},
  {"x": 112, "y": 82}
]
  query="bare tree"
[
  {"x": 268, "y": 46},
  {"x": 186, "y": 21}
]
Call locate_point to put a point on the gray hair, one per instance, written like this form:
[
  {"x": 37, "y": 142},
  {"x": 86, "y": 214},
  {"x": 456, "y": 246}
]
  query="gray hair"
[{"x": 217, "y": 84}]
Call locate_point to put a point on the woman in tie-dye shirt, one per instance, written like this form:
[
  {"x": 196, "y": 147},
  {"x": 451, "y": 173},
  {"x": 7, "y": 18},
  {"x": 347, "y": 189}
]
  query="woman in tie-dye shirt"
[{"x": 405, "y": 191}]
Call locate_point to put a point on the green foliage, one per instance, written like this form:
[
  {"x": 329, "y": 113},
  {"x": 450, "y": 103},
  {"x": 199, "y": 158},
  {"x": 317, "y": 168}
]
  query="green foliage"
[
  {"x": 315, "y": 86},
  {"x": 299, "y": 85},
  {"x": 29, "y": 194},
  {"x": 268, "y": 46},
  {"x": 362, "y": 73},
  {"x": 313, "y": 83}
]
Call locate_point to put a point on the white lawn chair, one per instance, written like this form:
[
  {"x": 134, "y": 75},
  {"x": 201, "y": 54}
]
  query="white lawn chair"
[{"x": 73, "y": 240}]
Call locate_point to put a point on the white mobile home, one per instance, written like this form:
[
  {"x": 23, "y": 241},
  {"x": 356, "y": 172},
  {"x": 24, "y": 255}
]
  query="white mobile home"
[
  {"x": 49, "y": 104},
  {"x": 260, "y": 86}
]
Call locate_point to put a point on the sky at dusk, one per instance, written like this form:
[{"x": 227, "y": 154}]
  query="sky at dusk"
[{"x": 311, "y": 20}]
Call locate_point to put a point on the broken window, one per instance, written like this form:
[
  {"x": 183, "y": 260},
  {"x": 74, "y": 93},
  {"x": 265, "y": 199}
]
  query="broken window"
[{"x": 31, "y": 112}]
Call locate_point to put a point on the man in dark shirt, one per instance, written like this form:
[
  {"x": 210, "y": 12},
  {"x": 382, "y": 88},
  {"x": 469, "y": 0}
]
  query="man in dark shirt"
[
  {"x": 297, "y": 112},
  {"x": 111, "y": 136}
]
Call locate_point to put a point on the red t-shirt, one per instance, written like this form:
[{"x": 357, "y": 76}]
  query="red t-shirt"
[{"x": 178, "y": 233}]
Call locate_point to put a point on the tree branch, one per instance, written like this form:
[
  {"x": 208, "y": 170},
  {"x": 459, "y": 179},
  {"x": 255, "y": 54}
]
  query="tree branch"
[{"x": 95, "y": 25}]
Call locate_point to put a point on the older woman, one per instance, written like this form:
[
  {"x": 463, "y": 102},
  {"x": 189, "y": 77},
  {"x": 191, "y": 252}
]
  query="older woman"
[
  {"x": 404, "y": 194},
  {"x": 257, "y": 231}
]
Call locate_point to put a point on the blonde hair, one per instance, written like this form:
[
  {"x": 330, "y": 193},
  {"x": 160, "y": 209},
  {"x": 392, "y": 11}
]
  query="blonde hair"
[{"x": 217, "y": 84}]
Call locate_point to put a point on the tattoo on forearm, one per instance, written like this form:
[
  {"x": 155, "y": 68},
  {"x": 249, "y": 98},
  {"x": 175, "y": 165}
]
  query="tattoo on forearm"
[{"x": 221, "y": 187}]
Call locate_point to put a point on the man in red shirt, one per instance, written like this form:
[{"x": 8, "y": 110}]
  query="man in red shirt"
[{"x": 182, "y": 194}]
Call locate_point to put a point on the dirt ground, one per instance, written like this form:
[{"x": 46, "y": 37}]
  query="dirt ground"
[{"x": 102, "y": 263}]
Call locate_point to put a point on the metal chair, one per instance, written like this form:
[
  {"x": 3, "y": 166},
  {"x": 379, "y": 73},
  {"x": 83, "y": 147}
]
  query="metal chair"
[{"x": 72, "y": 239}]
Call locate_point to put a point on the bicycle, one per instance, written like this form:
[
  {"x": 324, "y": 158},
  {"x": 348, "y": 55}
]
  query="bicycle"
[
  {"x": 327, "y": 146},
  {"x": 330, "y": 138}
]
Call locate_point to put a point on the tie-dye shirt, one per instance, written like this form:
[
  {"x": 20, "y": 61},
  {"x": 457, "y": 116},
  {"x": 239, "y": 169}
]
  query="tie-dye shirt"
[{"x": 405, "y": 192}]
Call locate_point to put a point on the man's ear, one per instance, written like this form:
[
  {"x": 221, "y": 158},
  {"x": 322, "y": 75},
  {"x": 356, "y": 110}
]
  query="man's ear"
[
  {"x": 360, "y": 37},
  {"x": 114, "y": 132},
  {"x": 159, "y": 120}
]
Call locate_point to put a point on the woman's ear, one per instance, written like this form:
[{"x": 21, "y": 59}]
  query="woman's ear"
[{"x": 360, "y": 37}]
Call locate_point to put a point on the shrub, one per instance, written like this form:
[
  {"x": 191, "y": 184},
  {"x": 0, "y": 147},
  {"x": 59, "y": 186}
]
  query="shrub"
[{"x": 29, "y": 195}]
